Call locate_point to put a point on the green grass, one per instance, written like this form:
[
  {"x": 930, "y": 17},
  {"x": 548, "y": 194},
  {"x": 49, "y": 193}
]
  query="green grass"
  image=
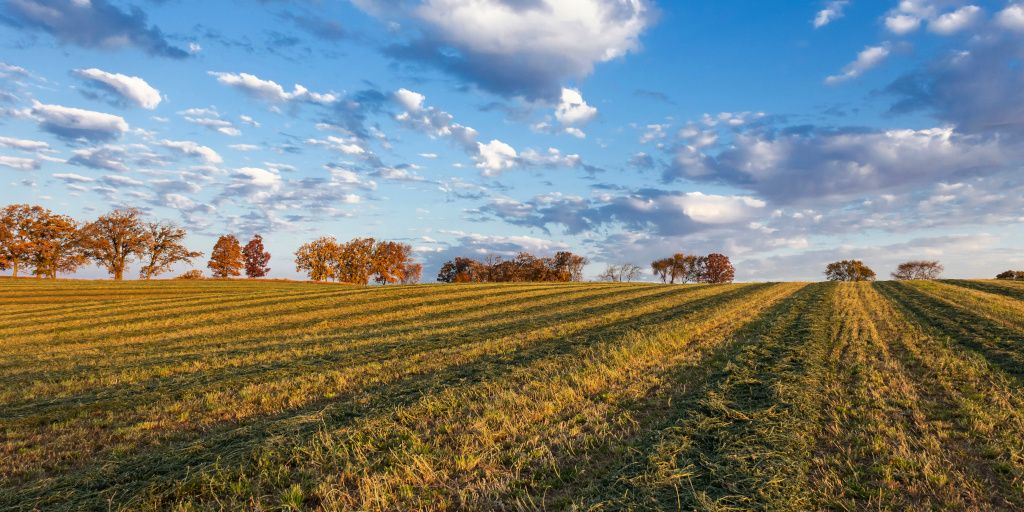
[{"x": 229, "y": 395}]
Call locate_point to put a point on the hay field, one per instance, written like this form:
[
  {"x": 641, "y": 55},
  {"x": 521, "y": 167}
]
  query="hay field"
[{"x": 229, "y": 395}]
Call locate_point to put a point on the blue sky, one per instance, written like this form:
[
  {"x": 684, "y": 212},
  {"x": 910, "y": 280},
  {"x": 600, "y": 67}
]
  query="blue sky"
[{"x": 784, "y": 134}]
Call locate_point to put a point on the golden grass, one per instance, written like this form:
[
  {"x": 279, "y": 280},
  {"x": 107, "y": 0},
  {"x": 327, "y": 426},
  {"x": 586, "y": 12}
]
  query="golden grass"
[{"x": 275, "y": 395}]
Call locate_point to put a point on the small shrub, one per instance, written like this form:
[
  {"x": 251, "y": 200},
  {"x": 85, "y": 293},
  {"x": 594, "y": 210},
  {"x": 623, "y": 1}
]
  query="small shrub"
[{"x": 191, "y": 275}]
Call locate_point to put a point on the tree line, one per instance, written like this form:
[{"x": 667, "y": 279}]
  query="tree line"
[
  {"x": 856, "y": 270},
  {"x": 36, "y": 240},
  {"x": 1011, "y": 275},
  {"x": 714, "y": 268},
  {"x": 564, "y": 266},
  {"x": 358, "y": 261}
]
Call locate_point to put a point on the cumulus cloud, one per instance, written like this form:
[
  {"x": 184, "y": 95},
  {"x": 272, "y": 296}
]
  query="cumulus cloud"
[
  {"x": 832, "y": 11},
  {"x": 130, "y": 89},
  {"x": 1012, "y": 17},
  {"x": 433, "y": 121},
  {"x": 868, "y": 58},
  {"x": 955, "y": 21},
  {"x": 979, "y": 89},
  {"x": 495, "y": 157},
  {"x": 521, "y": 48},
  {"x": 192, "y": 149},
  {"x": 90, "y": 24},
  {"x": 74, "y": 123},
  {"x": 271, "y": 91},
  {"x": 664, "y": 212},
  {"x": 837, "y": 165},
  {"x": 573, "y": 109},
  {"x": 901, "y": 24}
]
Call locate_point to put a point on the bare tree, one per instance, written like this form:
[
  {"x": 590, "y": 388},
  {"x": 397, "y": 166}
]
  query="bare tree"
[
  {"x": 625, "y": 273},
  {"x": 164, "y": 248},
  {"x": 918, "y": 270}
]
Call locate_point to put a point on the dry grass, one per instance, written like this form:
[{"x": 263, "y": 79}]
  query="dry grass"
[{"x": 274, "y": 395}]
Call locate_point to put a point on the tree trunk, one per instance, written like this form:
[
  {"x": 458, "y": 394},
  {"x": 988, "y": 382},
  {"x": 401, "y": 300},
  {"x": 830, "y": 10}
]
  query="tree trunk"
[
  {"x": 14, "y": 265},
  {"x": 118, "y": 274}
]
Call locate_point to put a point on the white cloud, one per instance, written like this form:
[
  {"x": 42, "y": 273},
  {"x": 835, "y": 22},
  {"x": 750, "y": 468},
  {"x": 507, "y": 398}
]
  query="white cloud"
[
  {"x": 210, "y": 118},
  {"x": 573, "y": 109},
  {"x": 21, "y": 164},
  {"x": 412, "y": 101},
  {"x": 189, "y": 148},
  {"x": 249, "y": 121},
  {"x": 23, "y": 144},
  {"x": 953, "y": 22},
  {"x": 1012, "y": 17},
  {"x": 716, "y": 209},
  {"x": 131, "y": 88},
  {"x": 244, "y": 147},
  {"x": 346, "y": 146},
  {"x": 524, "y": 47},
  {"x": 432, "y": 121},
  {"x": 69, "y": 122},
  {"x": 495, "y": 157},
  {"x": 73, "y": 178},
  {"x": 868, "y": 58},
  {"x": 832, "y": 11},
  {"x": 901, "y": 24},
  {"x": 271, "y": 91}
]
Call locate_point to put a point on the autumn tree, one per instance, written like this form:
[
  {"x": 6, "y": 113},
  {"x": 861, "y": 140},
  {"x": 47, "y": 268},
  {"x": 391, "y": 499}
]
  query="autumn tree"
[
  {"x": 316, "y": 258},
  {"x": 460, "y": 270},
  {"x": 354, "y": 261},
  {"x": 413, "y": 273},
  {"x": 115, "y": 239},
  {"x": 57, "y": 245},
  {"x": 18, "y": 236},
  {"x": 680, "y": 267},
  {"x": 849, "y": 270},
  {"x": 392, "y": 261},
  {"x": 256, "y": 258},
  {"x": 569, "y": 266},
  {"x": 716, "y": 268},
  {"x": 662, "y": 269},
  {"x": 164, "y": 249},
  {"x": 918, "y": 270},
  {"x": 226, "y": 257}
]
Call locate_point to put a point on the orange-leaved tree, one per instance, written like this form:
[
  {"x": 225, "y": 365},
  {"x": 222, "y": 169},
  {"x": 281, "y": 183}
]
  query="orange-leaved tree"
[
  {"x": 316, "y": 258},
  {"x": 226, "y": 257},
  {"x": 57, "y": 245},
  {"x": 716, "y": 268},
  {"x": 354, "y": 261},
  {"x": 391, "y": 262},
  {"x": 256, "y": 258},
  {"x": 115, "y": 239},
  {"x": 18, "y": 223}
]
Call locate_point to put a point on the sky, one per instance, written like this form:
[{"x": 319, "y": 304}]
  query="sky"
[{"x": 783, "y": 134}]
